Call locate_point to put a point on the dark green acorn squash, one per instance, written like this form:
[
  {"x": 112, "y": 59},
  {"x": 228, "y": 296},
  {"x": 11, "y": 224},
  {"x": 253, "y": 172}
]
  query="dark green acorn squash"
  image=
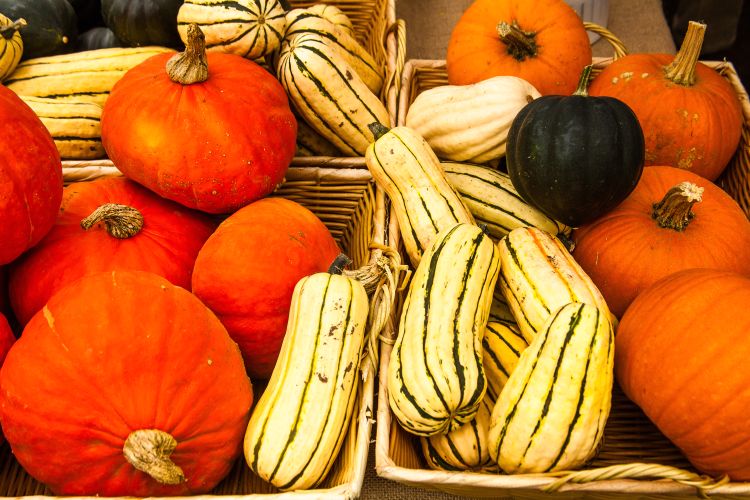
[
  {"x": 143, "y": 22},
  {"x": 89, "y": 13},
  {"x": 50, "y": 25},
  {"x": 575, "y": 157},
  {"x": 98, "y": 38}
]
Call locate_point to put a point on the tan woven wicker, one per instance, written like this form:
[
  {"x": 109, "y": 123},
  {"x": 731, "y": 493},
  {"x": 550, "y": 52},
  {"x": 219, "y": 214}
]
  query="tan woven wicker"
[{"x": 635, "y": 461}]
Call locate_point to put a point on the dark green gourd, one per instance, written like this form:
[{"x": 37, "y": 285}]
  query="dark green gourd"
[{"x": 50, "y": 25}]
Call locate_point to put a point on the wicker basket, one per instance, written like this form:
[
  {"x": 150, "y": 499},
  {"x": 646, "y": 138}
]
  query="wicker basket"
[{"x": 636, "y": 460}]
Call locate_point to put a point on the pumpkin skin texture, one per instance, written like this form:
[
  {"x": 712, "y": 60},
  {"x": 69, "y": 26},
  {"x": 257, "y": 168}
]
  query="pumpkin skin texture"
[
  {"x": 143, "y": 22},
  {"x": 476, "y": 52},
  {"x": 626, "y": 250},
  {"x": 30, "y": 177},
  {"x": 694, "y": 126},
  {"x": 575, "y": 157},
  {"x": 681, "y": 355},
  {"x": 124, "y": 352},
  {"x": 247, "y": 270},
  {"x": 167, "y": 244},
  {"x": 215, "y": 145}
]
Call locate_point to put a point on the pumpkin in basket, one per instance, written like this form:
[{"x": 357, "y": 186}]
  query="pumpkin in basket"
[
  {"x": 125, "y": 385},
  {"x": 681, "y": 355},
  {"x": 30, "y": 178},
  {"x": 673, "y": 220},
  {"x": 247, "y": 270},
  {"x": 213, "y": 132},
  {"x": 105, "y": 225},
  {"x": 690, "y": 115},
  {"x": 543, "y": 42}
]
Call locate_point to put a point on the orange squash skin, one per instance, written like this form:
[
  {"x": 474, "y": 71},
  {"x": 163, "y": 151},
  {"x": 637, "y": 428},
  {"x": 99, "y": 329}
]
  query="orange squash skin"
[
  {"x": 214, "y": 146},
  {"x": 247, "y": 270},
  {"x": 696, "y": 128},
  {"x": 476, "y": 53},
  {"x": 167, "y": 244},
  {"x": 681, "y": 355},
  {"x": 120, "y": 352},
  {"x": 625, "y": 251}
]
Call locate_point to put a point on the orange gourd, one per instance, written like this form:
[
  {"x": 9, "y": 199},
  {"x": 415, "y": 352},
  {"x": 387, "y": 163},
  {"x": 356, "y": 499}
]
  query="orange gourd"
[
  {"x": 694, "y": 224},
  {"x": 543, "y": 42},
  {"x": 690, "y": 115},
  {"x": 125, "y": 385},
  {"x": 681, "y": 355}
]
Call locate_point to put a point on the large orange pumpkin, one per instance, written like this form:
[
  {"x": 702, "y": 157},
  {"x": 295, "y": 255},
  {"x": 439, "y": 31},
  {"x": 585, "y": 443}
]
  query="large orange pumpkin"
[
  {"x": 125, "y": 385},
  {"x": 105, "y": 225},
  {"x": 543, "y": 42},
  {"x": 247, "y": 270},
  {"x": 690, "y": 115},
  {"x": 673, "y": 220},
  {"x": 211, "y": 132},
  {"x": 30, "y": 177},
  {"x": 681, "y": 355}
]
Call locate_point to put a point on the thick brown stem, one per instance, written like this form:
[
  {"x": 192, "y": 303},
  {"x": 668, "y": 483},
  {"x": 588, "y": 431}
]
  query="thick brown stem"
[
  {"x": 378, "y": 129},
  {"x": 7, "y": 32},
  {"x": 190, "y": 66},
  {"x": 148, "y": 450},
  {"x": 121, "y": 221},
  {"x": 674, "y": 211},
  {"x": 521, "y": 44},
  {"x": 583, "y": 82},
  {"x": 682, "y": 70}
]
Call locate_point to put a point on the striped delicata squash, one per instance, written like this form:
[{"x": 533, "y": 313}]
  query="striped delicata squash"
[{"x": 11, "y": 45}]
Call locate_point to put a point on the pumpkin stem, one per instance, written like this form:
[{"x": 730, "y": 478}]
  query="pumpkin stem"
[
  {"x": 378, "y": 129},
  {"x": 583, "y": 82},
  {"x": 521, "y": 44},
  {"x": 7, "y": 32},
  {"x": 339, "y": 263},
  {"x": 121, "y": 221},
  {"x": 190, "y": 66},
  {"x": 682, "y": 70},
  {"x": 148, "y": 450},
  {"x": 674, "y": 211}
]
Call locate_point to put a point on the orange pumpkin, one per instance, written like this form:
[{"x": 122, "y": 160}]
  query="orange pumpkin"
[
  {"x": 664, "y": 226},
  {"x": 105, "y": 225},
  {"x": 681, "y": 355},
  {"x": 247, "y": 270},
  {"x": 210, "y": 132},
  {"x": 690, "y": 115},
  {"x": 125, "y": 385},
  {"x": 543, "y": 42}
]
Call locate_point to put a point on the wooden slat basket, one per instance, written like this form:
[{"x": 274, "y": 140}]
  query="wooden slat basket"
[{"x": 635, "y": 461}]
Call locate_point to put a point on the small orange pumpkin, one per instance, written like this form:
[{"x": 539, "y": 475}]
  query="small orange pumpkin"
[{"x": 543, "y": 42}]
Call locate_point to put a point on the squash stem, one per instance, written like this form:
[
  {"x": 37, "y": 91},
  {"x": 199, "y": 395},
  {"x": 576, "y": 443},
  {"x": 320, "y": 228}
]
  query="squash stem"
[
  {"x": 378, "y": 129},
  {"x": 339, "y": 263},
  {"x": 121, "y": 221},
  {"x": 682, "y": 69},
  {"x": 674, "y": 211},
  {"x": 521, "y": 44},
  {"x": 190, "y": 66},
  {"x": 8, "y": 31},
  {"x": 148, "y": 450},
  {"x": 583, "y": 82}
]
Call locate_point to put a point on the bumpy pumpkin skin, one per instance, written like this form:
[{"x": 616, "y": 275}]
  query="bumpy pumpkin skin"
[
  {"x": 695, "y": 128},
  {"x": 121, "y": 352},
  {"x": 681, "y": 355},
  {"x": 475, "y": 51},
  {"x": 30, "y": 178},
  {"x": 214, "y": 146},
  {"x": 625, "y": 251},
  {"x": 167, "y": 244},
  {"x": 247, "y": 270}
]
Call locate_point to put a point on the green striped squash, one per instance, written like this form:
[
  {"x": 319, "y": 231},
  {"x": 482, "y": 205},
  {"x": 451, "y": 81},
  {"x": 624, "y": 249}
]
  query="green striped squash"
[
  {"x": 502, "y": 347},
  {"x": 11, "y": 45},
  {"x": 81, "y": 76},
  {"x": 464, "y": 448},
  {"x": 248, "y": 28},
  {"x": 333, "y": 14},
  {"x": 490, "y": 196},
  {"x": 297, "y": 428},
  {"x": 551, "y": 414},
  {"x": 328, "y": 94},
  {"x": 74, "y": 126},
  {"x": 406, "y": 168},
  {"x": 300, "y": 21},
  {"x": 539, "y": 276},
  {"x": 435, "y": 375}
]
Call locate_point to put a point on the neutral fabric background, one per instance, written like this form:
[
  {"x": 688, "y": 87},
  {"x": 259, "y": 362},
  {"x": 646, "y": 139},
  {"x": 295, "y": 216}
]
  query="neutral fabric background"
[{"x": 640, "y": 24}]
